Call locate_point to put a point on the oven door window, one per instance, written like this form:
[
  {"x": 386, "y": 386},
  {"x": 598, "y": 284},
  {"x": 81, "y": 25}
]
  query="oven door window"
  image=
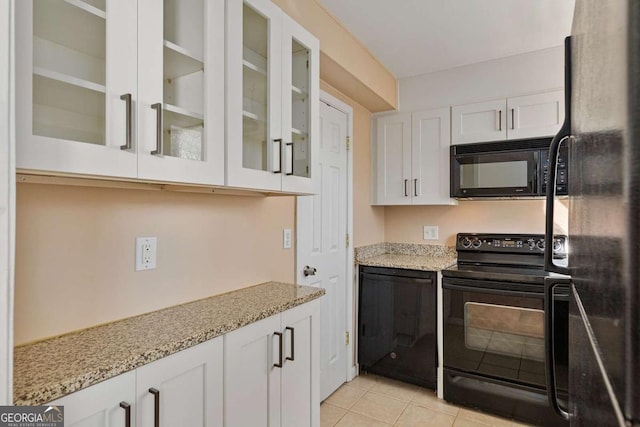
[
  {"x": 495, "y": 174},
  {"x": 508, "y": 331},
  {"x": 498, "y": 335}
]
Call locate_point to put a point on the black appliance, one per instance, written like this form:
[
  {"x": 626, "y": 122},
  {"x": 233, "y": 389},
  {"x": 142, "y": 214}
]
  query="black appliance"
[
  {"x": 515, "y": 168},
  {"x": 602, "y": 132},
  {"x": 397, "y": 324},
  {"x": 493, "y": 319}
]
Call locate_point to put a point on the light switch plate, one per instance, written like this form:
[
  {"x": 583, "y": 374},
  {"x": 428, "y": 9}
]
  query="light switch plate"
[
  {"x": 146, "y": 249},
  {"x": 430, "y": 232},
  {"x": 286, "y": 238}
]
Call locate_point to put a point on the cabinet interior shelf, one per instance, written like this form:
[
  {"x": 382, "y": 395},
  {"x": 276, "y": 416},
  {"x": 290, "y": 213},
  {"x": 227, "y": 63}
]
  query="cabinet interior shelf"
[
  {"x": 253, "y": 61},
  {"x": 298, "y": 134},
  {"x": 179, "y": 61},
  {"x": 298, "y": 93},
  {"x": 54, "y": 75},
  {"x": 187, "y": 118},
  {"x": 252, "y": 116},
  {"x": 88, "y": 8}
]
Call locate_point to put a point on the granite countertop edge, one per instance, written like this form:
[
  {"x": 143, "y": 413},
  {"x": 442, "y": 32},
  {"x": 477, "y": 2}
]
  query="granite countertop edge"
[
  {"x": 407, "y": 256},
  {"x": 43, "y": 393}
]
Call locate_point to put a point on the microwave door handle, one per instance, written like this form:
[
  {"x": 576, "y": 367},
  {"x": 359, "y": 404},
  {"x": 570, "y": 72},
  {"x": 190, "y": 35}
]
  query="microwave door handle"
[
  {"x": 558, "y": 139},
  {"x": 549, "y": 343}
]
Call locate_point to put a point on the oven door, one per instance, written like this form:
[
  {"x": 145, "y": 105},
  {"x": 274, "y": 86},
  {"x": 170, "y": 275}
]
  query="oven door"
[
  {"x": 496, "y": 330},
  {"x": 493, "y": 174}
]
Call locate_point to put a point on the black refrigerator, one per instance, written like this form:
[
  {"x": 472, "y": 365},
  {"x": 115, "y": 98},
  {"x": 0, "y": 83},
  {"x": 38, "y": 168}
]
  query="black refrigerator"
[{"x": 602, "y": 132}]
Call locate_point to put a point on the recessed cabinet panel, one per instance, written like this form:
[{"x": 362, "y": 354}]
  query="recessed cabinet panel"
[
  {"x": 430, "y": 151},
  {"x": 394, "y": 159},
  {"x": 535, "y": 115},
  {"x": 480, "y": 122},
  {"x": 76, "y": 68}
]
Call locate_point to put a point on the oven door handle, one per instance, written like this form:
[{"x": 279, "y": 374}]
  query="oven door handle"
[
  {"x": 479, "y": 289},
  {"x": 549, "y": 343}
]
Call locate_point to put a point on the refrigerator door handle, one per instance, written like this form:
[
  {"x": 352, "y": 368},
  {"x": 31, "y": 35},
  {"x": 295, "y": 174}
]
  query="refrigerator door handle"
[
  {"x": 549, "y": 343},
  {"x": 561, "y": 136}
]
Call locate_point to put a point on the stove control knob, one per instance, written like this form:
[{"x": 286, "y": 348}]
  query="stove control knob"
[
  {"x": 532, "y": 244},
  {"x": 557, "y": 245},
  {"x": 476, "y": 243},
  {"x": 540, "y": 244},
  {"x": 465, "y": 242}
]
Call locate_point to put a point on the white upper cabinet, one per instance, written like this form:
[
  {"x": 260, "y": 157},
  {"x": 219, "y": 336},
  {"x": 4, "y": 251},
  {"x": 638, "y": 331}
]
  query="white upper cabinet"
[
  {"x": 412, "y": 152},
  {"x": 181, "y": 91},
  {"x": 528, "y": 116},
  {"x": 272, "y": 99},
  {"x": 393, "y": 150},
  {"x": 430, "y": 154},
  {"x": 535, "y": 115},
  {"x": 76, "y": 85},
  {"x": 480, "y": 122},
  {"x": 127, "y": 89}
]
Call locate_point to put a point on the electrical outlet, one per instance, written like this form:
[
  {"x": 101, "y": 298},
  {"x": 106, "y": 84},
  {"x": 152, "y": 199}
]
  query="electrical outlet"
[
  {"x": 430, "y": 232},
  {"x": 146, "y": 248},
  {"x": 286, "y": 238}
]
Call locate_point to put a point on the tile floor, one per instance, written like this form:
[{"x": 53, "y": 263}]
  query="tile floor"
[{"x": 373, "y": 401}]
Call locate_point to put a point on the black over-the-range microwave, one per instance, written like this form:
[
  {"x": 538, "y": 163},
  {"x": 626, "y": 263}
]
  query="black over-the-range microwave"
[{"x": 515, "y": 168}]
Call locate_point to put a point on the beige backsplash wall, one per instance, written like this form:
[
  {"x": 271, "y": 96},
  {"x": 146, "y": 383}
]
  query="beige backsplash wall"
[
  {"x": 404, "y": 223},
  {"x": 75, "y": 252}
]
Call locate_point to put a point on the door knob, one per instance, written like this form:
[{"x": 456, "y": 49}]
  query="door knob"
[{"x": 309, "y": 271}]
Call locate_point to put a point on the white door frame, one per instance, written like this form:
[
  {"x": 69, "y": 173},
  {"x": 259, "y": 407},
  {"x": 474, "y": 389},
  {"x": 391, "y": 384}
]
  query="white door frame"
[
  {"x": 351, "y": 369},
  {"x": 7, "y": 199}
]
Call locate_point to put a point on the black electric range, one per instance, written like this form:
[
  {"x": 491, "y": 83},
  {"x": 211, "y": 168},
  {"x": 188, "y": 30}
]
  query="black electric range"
[{"x": 494, "y": 330}]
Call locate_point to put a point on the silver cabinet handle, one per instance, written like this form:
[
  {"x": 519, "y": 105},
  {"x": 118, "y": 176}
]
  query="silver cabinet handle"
[
  {"x": 513, "y": 120},
  {"x": 127, "y": 99},
  {"x": 415, "y": 187},
  {"x": 127, "y": 413},
  {"x": 293, "y": 344},
  {"x": 156, "y": 406},
  {"x": 279, "y": 364},
  {"x": 290, "y": 144},
  {"x": 158, "y": 108},
  {"x": 499, "y": 119},
  {"x": 279, "y": 141}
]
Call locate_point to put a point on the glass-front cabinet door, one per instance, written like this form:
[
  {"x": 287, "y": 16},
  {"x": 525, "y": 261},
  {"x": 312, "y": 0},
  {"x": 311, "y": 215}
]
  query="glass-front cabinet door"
[
  {"x": 300, "y": 108},
  {"x": 272, "y": 98},
  {"x": 76, "y": 86},
  {"x": 254, "y": 59},
  {"x": 181, "y": 86}
]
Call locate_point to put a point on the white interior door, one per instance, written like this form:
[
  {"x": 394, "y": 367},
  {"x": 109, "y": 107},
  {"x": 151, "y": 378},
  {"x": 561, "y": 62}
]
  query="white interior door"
[{"x": 321, "y": 244}]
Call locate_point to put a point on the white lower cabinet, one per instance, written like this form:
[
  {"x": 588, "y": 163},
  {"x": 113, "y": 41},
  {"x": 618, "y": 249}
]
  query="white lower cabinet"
[
  {"x": 184, "y": 389},
  {"x": 271, "y": 376},
  {"x": 267, "y": 374},
  {"x": 107, "y": 404}
]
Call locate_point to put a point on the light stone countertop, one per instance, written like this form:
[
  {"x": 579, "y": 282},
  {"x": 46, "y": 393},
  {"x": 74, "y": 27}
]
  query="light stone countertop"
[
  {"x": 49, "y": 369},
  {"x": 407, "y": 255}
]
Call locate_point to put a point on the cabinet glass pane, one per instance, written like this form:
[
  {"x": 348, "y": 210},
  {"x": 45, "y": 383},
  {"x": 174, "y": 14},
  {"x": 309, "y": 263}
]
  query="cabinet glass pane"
[
  {"x": 300, "y": 109},
  {"x": 255, "y": 96},
  {"x": 69, "y": 69},
  {"x": 183, "y": 79}
]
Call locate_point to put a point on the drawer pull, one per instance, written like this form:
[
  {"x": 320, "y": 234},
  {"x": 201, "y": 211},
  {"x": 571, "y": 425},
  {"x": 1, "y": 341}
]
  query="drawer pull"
[{"x": 279, "y": 364}]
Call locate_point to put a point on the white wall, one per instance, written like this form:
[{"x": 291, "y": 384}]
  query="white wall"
[
  {"x": 7, "y": 205},
  {"x": 515, "y": 75}
]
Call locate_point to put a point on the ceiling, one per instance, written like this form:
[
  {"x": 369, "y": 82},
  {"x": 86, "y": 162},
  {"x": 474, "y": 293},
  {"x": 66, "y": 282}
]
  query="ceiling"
[{"x": 412, "y": 37}]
